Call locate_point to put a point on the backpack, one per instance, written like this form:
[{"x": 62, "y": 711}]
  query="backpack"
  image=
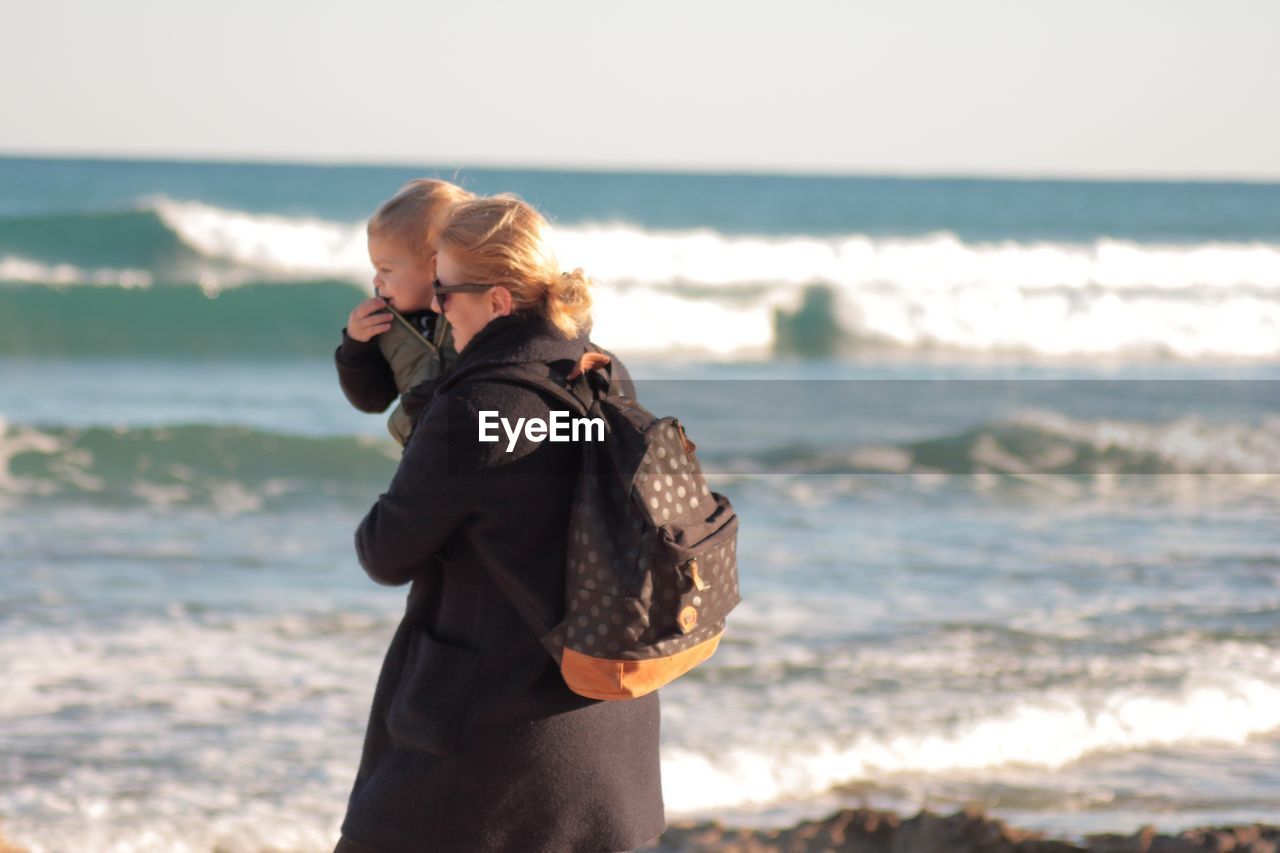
[{"x": 652, "y": 567}]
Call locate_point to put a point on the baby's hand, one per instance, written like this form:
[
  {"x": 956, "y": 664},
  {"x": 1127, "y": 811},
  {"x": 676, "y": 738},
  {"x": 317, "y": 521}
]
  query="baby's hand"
[{"x": 364, "y": 323}]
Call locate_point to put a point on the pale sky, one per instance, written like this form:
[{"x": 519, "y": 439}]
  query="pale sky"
[{"x": 1144, "y": 88}]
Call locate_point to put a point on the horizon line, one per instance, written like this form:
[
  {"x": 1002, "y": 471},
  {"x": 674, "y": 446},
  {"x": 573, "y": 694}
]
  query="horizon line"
[{"x": 869, "y": 173}]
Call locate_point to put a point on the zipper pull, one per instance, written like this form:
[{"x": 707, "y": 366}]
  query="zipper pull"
[{"x": 698, "y": 583}]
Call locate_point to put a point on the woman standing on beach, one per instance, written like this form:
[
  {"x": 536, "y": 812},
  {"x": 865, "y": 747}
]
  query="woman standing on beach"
[{"x": 474, "y": 742}]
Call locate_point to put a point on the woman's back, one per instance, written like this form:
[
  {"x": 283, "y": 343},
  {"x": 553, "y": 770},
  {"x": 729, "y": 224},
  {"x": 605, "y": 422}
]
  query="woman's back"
[{"x": 475, "y": 742}]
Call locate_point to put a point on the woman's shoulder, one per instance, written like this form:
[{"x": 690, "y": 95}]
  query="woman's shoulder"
[
  {"x": 483, "y": 390},
  {"x": 508, "y": 380},
  {"x": 496, "y": 391}
]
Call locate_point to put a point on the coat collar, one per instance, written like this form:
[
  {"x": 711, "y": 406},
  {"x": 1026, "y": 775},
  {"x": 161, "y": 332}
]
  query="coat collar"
[{"x": 520, "y": 338}]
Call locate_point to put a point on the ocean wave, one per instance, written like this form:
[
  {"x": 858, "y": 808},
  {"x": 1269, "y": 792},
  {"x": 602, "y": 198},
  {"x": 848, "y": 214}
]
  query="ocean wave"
[
  {"x": 300, "y": 682},
  {"x": 238, "y": 469},
  {"x": 1046, "y": 733},
  {"x": 19, "y": 269},
  {"x": 1038, "y": 442},
  {"x": 133, "y": 238},
  {"x": 232, "y": 469},
  {"x": 935, "y": 262},
  {"x": 730, "y": 296},
  {"x": 621, "y": 254},
  {"x": 255, "y": 320},
  {"x": 302, "y": 247},
  {"x": 156, "y": 696}
]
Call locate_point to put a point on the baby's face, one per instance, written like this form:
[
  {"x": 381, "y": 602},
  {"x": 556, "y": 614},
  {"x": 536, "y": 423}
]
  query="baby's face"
[{"x": 399, "y": 277}]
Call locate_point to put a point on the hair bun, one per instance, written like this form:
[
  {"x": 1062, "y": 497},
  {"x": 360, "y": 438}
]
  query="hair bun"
[{"x": 572, "y": 288}]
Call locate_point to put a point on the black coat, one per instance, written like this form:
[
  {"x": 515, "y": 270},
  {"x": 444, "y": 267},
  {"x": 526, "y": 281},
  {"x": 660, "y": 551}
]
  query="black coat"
[{"x": 474, "y": 742}]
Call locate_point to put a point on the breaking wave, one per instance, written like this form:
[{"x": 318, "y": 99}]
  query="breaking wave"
[{"x": 732, "y": 296}]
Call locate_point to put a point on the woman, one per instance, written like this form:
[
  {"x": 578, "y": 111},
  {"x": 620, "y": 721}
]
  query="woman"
[{"x": 474, "y": 741}]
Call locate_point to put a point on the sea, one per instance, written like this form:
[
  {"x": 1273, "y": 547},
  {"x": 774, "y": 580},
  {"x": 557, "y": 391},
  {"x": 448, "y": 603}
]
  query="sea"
[{"x": 1006, "y": 455}]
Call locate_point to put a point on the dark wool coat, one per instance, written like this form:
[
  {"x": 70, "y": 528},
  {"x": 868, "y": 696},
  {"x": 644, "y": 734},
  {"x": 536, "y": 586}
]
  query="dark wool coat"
[{"x": 474, "y": 742}]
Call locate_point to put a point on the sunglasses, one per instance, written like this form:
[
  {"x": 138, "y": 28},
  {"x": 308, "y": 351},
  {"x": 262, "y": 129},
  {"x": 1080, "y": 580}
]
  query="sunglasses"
[{"x": 442, "y": 291}]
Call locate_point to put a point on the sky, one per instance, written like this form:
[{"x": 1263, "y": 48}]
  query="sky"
[{"x": 1073, "y": 88}]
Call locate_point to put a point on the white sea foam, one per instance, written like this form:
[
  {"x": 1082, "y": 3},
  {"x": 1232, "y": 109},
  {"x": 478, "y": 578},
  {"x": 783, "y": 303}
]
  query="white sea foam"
[
  {"x": 293, "y": 688},
  {"x": 706, "y": 291},
  {"x": 645, "y": 320},
  {"x": 277, "y": 244},
  {"x": 19, "y": 269},
  {"x": 15, "y": 441},
  {"x": 1046, "y": 733},
  {"x": 1186, "y": 445},
  {"x": 934, "y": 262},
  {"x": 159, "y": 697},
  {"x": 939, "y": 262},
  {"x": 120, "y": 723}
]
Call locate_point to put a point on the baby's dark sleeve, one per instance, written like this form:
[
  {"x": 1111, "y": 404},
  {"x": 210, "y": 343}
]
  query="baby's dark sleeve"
[{"x": 364, "y": 375}]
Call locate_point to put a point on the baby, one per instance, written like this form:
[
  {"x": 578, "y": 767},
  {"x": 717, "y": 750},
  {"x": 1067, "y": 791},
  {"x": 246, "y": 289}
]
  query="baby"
[{"x": 413, "y": 344}]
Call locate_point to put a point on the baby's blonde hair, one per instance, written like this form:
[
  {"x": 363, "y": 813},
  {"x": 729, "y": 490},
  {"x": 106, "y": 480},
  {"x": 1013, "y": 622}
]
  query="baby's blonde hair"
[
  {"x": 415, "y": 214},
  {"x": 502, "y": 240}
]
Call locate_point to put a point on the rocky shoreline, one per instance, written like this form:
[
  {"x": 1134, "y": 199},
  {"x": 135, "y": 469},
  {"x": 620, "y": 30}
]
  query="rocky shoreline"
[{"x": 968, "y": 831}]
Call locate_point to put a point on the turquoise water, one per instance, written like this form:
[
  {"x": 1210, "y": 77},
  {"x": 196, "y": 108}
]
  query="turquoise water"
[
  {"x": 974, "y": 209},
  {"x": 1006, "y": 455}
]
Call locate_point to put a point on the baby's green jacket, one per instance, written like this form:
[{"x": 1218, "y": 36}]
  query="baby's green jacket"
[{"x": 414, "y": 358}]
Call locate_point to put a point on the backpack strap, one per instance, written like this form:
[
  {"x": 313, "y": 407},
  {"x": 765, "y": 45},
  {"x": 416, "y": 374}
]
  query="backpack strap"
[
  {"x": 578, "y": 396},
  {"x": 574, "y": 393},
  {"x": 550, "y": 637}
]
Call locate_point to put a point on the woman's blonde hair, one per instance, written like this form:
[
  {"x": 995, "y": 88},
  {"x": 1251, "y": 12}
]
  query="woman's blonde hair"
[
  {"x": 503, "y": 240},
  {"x": 415, "y": 214}
]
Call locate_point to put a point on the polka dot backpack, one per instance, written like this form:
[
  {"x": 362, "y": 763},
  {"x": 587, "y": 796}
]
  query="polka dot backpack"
[{"x": 652, "y": 567}]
